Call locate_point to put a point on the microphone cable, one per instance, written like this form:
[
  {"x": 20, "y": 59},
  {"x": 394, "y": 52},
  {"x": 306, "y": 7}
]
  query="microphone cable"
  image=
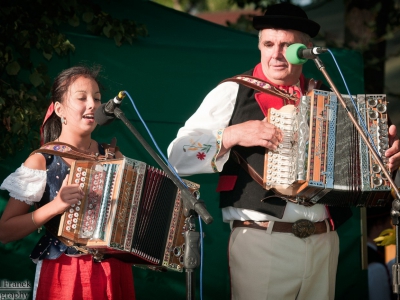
[
  {"x": 293, "y": 57},
  {"x": 179, "y": 178},
  {"x": 361, "y": 120}
]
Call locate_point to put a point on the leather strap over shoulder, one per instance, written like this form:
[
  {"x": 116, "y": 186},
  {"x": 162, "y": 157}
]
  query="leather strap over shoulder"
[
  {"x": 110, "y": 149},
  {"x": 66, "y": 150},
  {"x": 244, "y": 164},
  {"x": 69, "y": 151},
  {"x": 261, "y": 86},
  {"x": 312, "y": 84},
  {"x": 257, "y": 178}
]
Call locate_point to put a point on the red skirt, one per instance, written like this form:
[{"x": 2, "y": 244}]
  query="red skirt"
[{"x": 81, "y": 278}]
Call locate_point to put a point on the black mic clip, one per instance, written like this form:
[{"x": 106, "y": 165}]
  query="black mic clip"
[
  {"x": 105, "y": 113},
  {"x": 311, "y": 53},
  {"x": 112, "y": 104},
  {"x": 297, "y": 53}
]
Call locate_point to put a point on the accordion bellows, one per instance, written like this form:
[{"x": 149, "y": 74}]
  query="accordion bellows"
[
  {"x": 131, "y": 211},
  {"x": 322, "y": 158}
]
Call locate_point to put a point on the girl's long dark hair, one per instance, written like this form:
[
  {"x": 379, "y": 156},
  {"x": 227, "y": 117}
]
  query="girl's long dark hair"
[{"x": 52, "y": 126}]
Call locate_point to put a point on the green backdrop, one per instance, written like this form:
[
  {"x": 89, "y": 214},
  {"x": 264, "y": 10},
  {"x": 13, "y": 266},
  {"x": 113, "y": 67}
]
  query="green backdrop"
[{"x": 168, "y": 74}]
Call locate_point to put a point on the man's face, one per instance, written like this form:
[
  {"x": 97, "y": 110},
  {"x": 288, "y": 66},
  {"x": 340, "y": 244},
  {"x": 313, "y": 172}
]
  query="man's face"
[{"x": 273, "y": 44}]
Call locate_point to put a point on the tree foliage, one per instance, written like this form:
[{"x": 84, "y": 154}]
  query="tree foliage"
[
  {"x": 28, "y": 27},
  {"x": 195, "y": 6},
  {"x": 369, "y": 24}
]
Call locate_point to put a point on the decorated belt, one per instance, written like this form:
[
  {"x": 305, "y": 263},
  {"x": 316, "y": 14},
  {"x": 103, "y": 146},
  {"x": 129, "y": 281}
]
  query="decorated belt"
[{"x": 301, "y": 228}]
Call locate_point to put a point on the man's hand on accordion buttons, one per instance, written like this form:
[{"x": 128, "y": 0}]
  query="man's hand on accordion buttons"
[
  {"x": 67, "y": 195},
  {"x": 252, "y": 133},
  {"x": 394, "y": 151}
]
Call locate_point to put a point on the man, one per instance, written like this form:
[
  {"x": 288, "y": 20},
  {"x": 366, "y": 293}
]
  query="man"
[{"x": 266, "y": 260}]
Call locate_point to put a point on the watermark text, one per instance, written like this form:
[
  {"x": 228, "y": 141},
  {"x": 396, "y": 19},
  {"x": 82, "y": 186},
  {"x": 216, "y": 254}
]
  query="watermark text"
[{"x": 15, "y": 289}]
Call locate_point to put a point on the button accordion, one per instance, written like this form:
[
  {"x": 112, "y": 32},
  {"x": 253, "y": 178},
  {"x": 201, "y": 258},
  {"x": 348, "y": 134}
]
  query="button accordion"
[
  {"x": 322, "y": 158},
  {"x": 130, "y": 210}
]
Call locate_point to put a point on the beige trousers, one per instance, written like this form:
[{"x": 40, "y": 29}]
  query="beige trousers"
[{"x": 280, "y": 266}]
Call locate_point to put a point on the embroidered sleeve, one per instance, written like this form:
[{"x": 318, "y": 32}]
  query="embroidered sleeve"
[
  {"x": 198, "y": 142},
  {"x": 25, "y": 184},
  {"x": 218, "y": 163}
]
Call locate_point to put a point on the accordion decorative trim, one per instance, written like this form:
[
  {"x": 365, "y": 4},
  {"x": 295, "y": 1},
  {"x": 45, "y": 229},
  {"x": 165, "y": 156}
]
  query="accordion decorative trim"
[
  {"x": 130, "y": 210},
  {"x": 334, "y": 165},
  {"x": 60, "y": 148}
]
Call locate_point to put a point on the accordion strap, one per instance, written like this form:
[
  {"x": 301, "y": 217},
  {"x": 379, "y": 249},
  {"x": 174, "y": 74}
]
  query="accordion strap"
[
  {"x": 69, "y": 151},
  {"x": 261, "y": 86},
  {"x": 249, "y": 169},
  {"x": 110, "y": 149},
  {"x": 311, "y": 84},
  {"x": 257, "y": 178},
  {"x": 264, "y": 87}
]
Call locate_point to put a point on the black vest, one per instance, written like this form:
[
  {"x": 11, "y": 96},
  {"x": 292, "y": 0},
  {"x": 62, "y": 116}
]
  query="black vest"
[{"x": 247, "y": 193}]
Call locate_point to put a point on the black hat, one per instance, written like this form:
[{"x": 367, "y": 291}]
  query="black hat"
[{"x": 286, "y": 16}]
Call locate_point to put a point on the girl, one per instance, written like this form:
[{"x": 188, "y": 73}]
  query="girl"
[{"x": 62, "y": 272}]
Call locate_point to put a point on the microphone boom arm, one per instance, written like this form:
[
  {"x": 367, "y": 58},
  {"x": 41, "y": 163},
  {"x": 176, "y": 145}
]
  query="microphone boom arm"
[
  {"x": 395, "y": 211},
  {"x": 321, "y": 67},
  {"x": 191, "y": 203}
]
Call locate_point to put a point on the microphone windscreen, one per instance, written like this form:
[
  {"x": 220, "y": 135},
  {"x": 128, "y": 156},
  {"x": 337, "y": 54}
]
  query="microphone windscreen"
[
  {"x": 101, "y": 117},
  {"x": 292, "y": 54}
]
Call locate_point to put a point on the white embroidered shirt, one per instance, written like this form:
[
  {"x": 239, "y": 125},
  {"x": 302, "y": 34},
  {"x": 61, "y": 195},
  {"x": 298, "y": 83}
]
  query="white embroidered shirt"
[
  {"x": 25, "y": 184},
  {"x": 197, "y": 144}
]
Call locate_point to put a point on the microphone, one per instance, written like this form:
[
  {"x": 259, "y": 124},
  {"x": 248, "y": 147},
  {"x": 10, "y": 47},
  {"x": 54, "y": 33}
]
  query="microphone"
[
  {"x": 298, "y": 54},
  {"x": 104, "y": 115}
]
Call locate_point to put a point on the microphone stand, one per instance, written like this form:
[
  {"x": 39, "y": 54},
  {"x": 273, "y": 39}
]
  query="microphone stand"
[
  {"x": 192, "y": 208},
  {"x": 395, "y": 212}
]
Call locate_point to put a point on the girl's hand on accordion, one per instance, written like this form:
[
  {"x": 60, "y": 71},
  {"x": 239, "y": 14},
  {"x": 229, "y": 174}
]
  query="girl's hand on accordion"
[
  {"x": 67, "y": 196},
  {"x": 393, "y": 153},
  {"x": 17, "y": 221},
  {"x": 251, "y": 133}
]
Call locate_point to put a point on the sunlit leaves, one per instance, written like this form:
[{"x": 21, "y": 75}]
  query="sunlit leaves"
[
  {"x": 87, "y": 17},
  {"x": 107, "y": 29},
  {"x": 73, "y": 21},
  {"x": 118, "y": 38},
  {"x": 120, "y": 31},
  {"x": 36, "y": 79},
  {"x": 13, "y": 68},
  {"x": 47, "y": 56}
]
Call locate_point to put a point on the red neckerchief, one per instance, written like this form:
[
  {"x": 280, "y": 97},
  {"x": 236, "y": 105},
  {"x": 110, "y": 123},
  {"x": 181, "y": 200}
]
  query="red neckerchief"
[{"x": 267, "y": 101}]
